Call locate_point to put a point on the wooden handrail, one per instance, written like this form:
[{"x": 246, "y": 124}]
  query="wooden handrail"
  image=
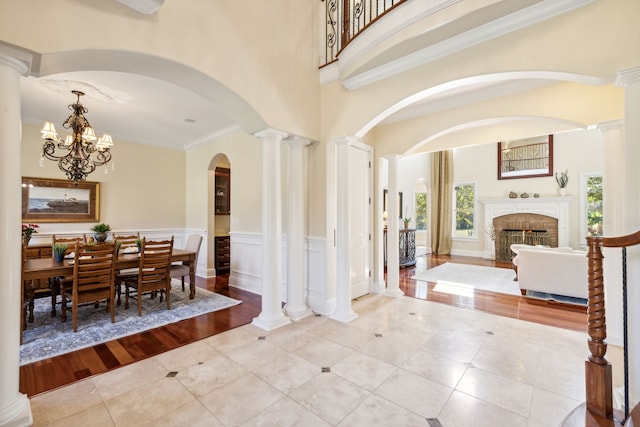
[
  {"x": 598, "y": 407},
  {"x": 597, "y": 368}
]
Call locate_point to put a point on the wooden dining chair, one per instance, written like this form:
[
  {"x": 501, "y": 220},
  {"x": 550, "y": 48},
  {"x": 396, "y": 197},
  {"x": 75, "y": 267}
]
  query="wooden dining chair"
[
  {"x": 56, "y": 282},
  {"x": 93, "y": 279},
  {"x": 180, "y": 270},
  {"x": 154, "y": 273},
  {"x": 124, "y": 242}
]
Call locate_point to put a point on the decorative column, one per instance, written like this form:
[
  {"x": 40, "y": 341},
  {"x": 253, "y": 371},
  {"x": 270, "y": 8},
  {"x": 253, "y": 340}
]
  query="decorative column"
[
  {"x": 612, "y": 209},
  {"x": 15, "y": 409},
  {"x": 296, "y": 307},
  {"x": 379, "y": 215},
  {"x": 629, "y": 79},
  {"x": 393, "y": 233},
  {"x": 344, "y": 311},
  {"x": 271, "y": 316}
]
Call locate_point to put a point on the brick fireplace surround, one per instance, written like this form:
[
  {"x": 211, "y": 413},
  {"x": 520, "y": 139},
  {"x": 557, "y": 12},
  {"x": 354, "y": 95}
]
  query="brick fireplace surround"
[{"x": 540, "y": 220}]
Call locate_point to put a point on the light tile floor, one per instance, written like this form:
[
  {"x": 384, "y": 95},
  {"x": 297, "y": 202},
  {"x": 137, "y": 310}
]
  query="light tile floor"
[{"x": 402, "y": 362}]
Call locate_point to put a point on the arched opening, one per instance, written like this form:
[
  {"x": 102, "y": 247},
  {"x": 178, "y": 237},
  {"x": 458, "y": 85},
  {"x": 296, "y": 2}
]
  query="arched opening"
[{"x": 219, "y": 216}]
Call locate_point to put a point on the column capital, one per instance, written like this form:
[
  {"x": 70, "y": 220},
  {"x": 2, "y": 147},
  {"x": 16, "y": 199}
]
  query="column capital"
[
  {"x": 628, "y": 76},
  {"x": 18, "y": 59},
  {"x": 392, "y": 156},
  {"x": 610, "y": 125},
  {"x": 344, "y": 140},
  {"x": 271, "y": 133},
  {"x": 297, "y": 141}
]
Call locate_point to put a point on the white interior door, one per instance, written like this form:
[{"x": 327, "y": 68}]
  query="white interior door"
[{"x": 360, "y": 221}]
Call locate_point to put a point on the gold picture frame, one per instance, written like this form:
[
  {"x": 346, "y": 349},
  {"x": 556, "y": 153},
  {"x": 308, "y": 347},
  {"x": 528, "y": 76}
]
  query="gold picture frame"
[{"x": 59, "y": 200}]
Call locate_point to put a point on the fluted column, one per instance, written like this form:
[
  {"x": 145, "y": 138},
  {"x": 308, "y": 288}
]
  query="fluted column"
[
  {"x": 344, "y": 312},
  {"x": 393, "y": 233},
  {"x": 14, "y": 406},
  {"x": 272, "y": 315},
  {"x": 629, "y": 79},
  {"x": 296, "y": 307}
]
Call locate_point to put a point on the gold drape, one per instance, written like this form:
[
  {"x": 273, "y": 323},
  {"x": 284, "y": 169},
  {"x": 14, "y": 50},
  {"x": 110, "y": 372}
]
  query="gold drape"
[{"x": 441, "y": 191}]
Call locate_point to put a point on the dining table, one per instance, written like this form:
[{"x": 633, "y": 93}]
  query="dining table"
[
  {"x": 43, "y": 268},
  {"x": 47, "y": 267}
]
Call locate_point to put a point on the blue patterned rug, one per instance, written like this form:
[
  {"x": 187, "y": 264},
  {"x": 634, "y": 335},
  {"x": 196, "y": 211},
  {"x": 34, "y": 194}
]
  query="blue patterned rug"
[{"x": 47, "y": 336}]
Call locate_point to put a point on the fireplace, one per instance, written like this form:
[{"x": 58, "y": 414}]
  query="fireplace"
[
  {"x": 524, "y": 228},
  {"x": 535, "y": 221}
]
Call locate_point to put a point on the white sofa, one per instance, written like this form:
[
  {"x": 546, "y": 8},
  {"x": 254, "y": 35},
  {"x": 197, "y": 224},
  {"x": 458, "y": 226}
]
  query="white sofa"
[{"x": 559, "y": 271}]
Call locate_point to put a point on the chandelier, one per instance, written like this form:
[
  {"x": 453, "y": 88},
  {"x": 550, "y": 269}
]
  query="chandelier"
[{"x": 78, "y": 154}]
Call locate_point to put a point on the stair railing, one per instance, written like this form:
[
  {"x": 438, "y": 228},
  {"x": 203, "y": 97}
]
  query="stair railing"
[
  {"x": 345, "y": 19},
  {"x": 599, "y": 387}
]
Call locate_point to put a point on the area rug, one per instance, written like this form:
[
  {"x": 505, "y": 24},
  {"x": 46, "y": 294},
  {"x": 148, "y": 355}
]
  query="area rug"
[
  {"x": 47, "y": 336},
  {"x": 463, "y": 278}
]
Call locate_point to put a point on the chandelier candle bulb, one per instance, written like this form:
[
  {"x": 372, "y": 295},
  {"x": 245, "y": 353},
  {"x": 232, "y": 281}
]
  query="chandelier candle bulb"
[{"x": 82, "y": 154}]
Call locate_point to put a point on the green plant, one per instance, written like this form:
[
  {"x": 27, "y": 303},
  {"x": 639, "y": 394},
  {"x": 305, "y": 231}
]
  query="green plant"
[
  {"x": 59, "y": 248},
  {"x": 563, "y": 179},
  {"x": 101, "y": 228}
]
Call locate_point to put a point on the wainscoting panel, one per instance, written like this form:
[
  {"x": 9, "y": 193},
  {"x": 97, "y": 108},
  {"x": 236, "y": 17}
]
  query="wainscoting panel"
[{"x": 246, "y": 269}]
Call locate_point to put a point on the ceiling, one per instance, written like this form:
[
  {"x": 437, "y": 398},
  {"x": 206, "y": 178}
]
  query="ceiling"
[
  {"x": 128, "y": 106},
  {"x": 151, "y": 111}
]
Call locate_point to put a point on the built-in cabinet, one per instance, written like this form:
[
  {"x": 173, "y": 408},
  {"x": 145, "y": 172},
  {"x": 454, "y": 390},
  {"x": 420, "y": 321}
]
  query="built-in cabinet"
[
  {"x": 222, "y": 196},
  {"x": 222, "y": 253}
]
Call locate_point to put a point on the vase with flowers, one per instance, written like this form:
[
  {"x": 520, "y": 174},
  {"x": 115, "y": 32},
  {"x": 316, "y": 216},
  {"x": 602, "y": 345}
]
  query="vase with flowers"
[
  {"x": 27, "y": 231},
  {"x": 563, "y": 181}
]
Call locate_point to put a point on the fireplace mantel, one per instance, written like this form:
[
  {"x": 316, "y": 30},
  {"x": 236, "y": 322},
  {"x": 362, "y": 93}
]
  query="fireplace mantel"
[{"x": 556, "y": 207}]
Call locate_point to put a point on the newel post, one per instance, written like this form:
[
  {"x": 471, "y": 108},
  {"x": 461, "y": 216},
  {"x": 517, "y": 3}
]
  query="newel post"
[{"x": 597, "y": 369}]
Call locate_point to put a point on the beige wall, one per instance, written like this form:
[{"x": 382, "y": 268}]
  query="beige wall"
[
  {"x": 263, "y": 53},
  {"x": 553, "y": 45},
  {"x": 245, "y": 158},
  {"x": 145, "y": 191}
]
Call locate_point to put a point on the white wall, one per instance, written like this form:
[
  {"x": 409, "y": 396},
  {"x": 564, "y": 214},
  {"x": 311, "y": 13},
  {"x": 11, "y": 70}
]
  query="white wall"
[{"x": 576, "y": 152}]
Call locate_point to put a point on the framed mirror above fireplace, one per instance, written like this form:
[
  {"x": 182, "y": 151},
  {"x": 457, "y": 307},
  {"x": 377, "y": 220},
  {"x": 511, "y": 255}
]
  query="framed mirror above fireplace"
[{"x": 525, "y": 158}]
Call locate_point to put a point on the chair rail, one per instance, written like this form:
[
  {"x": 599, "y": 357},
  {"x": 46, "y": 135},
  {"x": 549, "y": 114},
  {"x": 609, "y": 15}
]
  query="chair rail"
[{"x": 346, "y": 19}]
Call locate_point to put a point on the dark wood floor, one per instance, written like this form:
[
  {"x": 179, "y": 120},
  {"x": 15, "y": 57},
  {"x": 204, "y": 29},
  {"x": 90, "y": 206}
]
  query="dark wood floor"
[{"x": 61, "y": 370}]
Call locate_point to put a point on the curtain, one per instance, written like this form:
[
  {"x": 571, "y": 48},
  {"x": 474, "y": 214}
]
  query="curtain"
[{"x": 441, "y": 191}]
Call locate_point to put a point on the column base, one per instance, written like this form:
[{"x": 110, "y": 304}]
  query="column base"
[
  {"x": 378, "y": 287},
  {"x": 297, "y": 313},
  {"x": 344, "y": 317},
  {"x": 18, "y": 414},
  {"x": 393, "y": 293},
  {"x": 270, "y": 323}
]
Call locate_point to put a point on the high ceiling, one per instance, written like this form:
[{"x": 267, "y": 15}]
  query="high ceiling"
[{"x": 131, "y": 107}]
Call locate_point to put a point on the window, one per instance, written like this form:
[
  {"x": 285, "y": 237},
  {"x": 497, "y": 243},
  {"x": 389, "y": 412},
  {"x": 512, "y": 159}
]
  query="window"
[
  {"x": 594, "y": 205},
  {"x": 421, "y": 211},
  {"x": 464, "y": 204}
]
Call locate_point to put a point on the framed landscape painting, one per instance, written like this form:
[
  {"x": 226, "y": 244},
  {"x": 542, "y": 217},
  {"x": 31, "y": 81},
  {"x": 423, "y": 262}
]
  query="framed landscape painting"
[{"x": 59, "y": 200}]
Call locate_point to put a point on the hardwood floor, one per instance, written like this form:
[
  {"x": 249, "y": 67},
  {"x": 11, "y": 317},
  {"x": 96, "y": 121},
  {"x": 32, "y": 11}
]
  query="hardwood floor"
[{"x": 61, "y": 370}]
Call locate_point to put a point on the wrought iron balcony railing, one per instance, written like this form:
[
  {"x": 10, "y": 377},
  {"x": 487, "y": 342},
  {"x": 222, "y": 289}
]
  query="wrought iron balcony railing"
[{"x": 345, "y": 19}]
